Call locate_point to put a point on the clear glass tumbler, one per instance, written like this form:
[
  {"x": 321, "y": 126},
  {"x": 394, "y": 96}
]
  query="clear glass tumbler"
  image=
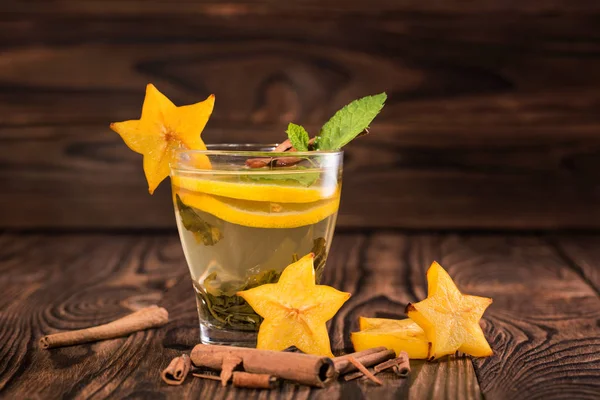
[{"x": 244, "y": 213}]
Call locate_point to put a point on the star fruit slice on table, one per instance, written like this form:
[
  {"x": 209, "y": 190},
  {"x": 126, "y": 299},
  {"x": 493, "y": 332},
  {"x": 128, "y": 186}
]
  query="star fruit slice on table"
[
  {"x": 295, "y": 310},
  {"x": 163, "y": 129},
  {"x": 449, "y": 318},
  {"x": 396, "y": 334}
]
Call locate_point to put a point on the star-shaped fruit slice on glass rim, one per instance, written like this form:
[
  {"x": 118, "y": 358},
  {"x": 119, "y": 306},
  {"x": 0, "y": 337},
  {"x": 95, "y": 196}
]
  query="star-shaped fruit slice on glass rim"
[
  {"x": 449, "y": 318},
  {"x": 162, "y": 130},
  {"x": 295, "y": 310}
]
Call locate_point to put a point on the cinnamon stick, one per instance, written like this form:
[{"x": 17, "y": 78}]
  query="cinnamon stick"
[
  {"x": 245, "y": 380},
  {"x": 230, "y": 362},
  {"x": 343, "y": 365},
  {"x": 357, "y": 374},
  {"x": 258, "y": 162},
  {"x": 177, "y": 370},
  {"x": 285, "y": 146},
  {"x": 401, "y": 371},
  {"x": 301, "y": 368},
  {"x": 206, "y": 376},
  {"x": 272, "y": 161},
  {"x": 385, "y": 365},
  {"x": 149, "y": 317},
  {"x": 253, "y": 381},
  {"x": 400, "y": 365},
  {"x": 364, "y": 370},
  {"x": 344, "y": 358}
]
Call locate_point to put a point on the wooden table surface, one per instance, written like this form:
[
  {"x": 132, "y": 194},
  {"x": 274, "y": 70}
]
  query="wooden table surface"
[{"x": 544, "y": 324}]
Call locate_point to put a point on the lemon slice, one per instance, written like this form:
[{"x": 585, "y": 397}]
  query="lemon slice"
[
  {"x": 398, "y": 335},
  {"x": 260, "y": 214},
  {"x": 255, "y": 191}
]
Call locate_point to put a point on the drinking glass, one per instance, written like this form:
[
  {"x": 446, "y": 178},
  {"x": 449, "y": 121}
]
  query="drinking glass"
[{"x": 244, "y": 213}]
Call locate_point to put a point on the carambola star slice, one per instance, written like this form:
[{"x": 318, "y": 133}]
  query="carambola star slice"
[
  {"x": 449, "y": 318},
  {"x": 295, "y": 310},
  {"x": 162, "y": 130}
]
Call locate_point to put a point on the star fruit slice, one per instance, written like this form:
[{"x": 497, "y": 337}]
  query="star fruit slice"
[
  {"x": 295, "y": 310},
  {"x": 162, "y": 130},
  {"x": 449, "y": 318},
  {"x": 395, "y": 334}
]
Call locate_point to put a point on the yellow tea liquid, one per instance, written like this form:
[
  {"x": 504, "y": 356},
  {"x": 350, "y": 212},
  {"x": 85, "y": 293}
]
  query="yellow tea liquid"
[{"x": 237, "y": 235}]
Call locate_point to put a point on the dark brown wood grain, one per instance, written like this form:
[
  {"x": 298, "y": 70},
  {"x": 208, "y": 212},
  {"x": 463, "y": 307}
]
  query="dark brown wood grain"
[
  {"x": 491, "y": 121},
  {"x": 311, "y": 8},
  {"x": 542, "y": 325},
  {"x": 453, "y": 181},
  {"x": 70, "y": 282},
  {"x": 582, "y": 254},
  {"x": 544, "y": 320}
]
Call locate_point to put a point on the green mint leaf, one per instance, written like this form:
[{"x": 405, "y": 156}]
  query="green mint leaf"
[
  {"x": 350, "y": 121},
  {"x": 305, "y": 178},
  {"x": 316, "y": 144},
  {"x": 298, "y": 137}
]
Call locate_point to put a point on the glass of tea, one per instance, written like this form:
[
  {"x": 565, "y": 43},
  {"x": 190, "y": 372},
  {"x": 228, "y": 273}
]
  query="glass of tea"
[{"x": 244, "y": 213}]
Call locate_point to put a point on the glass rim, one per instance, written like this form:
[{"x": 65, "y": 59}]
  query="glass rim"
[{"x": 237, "y": 149}]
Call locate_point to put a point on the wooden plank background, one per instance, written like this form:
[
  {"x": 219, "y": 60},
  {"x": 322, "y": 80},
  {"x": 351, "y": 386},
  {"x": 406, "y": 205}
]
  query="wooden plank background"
[{"x": 492, "y": 122}]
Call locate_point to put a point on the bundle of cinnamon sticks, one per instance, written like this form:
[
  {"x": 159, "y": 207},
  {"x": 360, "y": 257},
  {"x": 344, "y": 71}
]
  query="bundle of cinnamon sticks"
[
  {"x": 244, "y": 367},
  {"x": 262, "y": 369}
]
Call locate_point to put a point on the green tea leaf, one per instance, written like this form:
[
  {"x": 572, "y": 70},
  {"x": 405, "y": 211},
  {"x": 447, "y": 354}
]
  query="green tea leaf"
[
  {"x": 270, "y": 276},
  {"x": 298, "y": 137},
  {"x": 319, "y": 249},
  {"x": 349, "y": 122},
  {"x": 204, "y": 232},
  {"x": 225, "y": 308}
]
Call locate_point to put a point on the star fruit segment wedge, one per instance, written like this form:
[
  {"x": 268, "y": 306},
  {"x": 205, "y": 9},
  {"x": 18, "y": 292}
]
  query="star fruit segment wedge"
[
  {"x": 295, "y": 310},
  {"x": 255, "y": 191},
  {"x": 162, "y": 130},
  {"x": 260, "y": 214},
  {"x": 398, "y": 335},
  {"x": 450, "y": 319}
]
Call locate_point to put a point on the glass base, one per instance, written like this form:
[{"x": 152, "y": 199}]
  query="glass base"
[{"x": 213, "y": 335}]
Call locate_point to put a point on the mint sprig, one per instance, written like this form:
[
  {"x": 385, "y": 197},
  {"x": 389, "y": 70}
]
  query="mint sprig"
[
  {"x": 350, "y": 121},
  {"x": 343, "y": 127},
  {"x": 298, "y": 137}
]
